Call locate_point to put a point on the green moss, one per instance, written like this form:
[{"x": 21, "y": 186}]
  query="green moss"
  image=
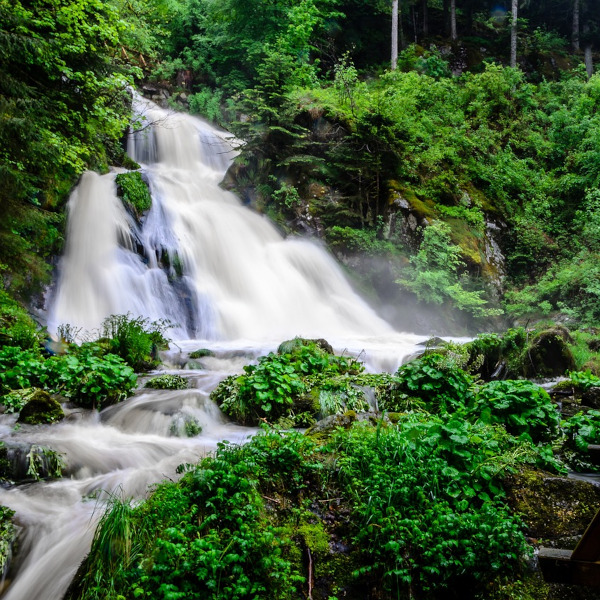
[
  {"x": 7, "y": 538},
  {"x": 201, "y": 353},
  {"x": 134, "y": 192},
  {"x": 41, "y": 408}
]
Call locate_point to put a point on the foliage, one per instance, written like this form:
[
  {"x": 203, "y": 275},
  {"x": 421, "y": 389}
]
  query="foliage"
[
  {"x": 204, "y": 537},
  {"x": 434, "y": 273},
  {"x": 136, "y": 339},
  {"x": 580, "y": 430},
  {"x": 524, "y": 408},
  {"x": 17, "y": 328},
  {"x": 427, "y": 503},
  {"x": 279, "y": 385},
  {"x": 44, "y": 462},
  {"x": 7, "y": 537},
  {"x": 134, "y": 191},
  {"x": 437, "y": 382},
  {"x": 168, "y": 382},
  {"x": 86, "y": 377}
]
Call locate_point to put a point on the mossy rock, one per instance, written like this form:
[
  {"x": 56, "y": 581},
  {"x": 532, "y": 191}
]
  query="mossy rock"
[
  {"x": 556, "y": 509},
  {"x": 134, "y": 192},
  {"x": 591, "y": 397},
  {"x": 201, "y": 353},
  {"x": 41, "y": 408},
  {"x": 290, "y": 346},
  {"x": 548, "y": 354}
]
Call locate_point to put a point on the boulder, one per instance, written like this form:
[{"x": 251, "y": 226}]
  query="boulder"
[
  {"x": 548, "y": 354},
  {"x": 41, "y": 408}
]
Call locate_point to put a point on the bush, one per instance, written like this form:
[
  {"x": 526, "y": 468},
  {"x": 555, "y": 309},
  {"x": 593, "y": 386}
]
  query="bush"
[
  {"x": 522, "y": 407},
  {"x": 580, "y": 430},
  {"x": 428, "y": 510},
  {"x": 134, "y": 192},
  {"x": 437, "y": 382},
  {"x": 136, "y": 340},
  {"x": 168, "y": 382},
  {"x": 279, "y": 385}
]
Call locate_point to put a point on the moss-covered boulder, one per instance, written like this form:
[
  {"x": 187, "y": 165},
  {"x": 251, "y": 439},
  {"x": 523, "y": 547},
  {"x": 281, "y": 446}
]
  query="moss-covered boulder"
[
  {"x": 41, "y": 408},
  {"x": 548, "y": 354},
  {"x": 168, "y": 382},
  {"x": 293, "y": 346},
  {"x": 134, "y": 192},
  {"x": 554, "y": 509},
  {"x": 201, "y": 353}
]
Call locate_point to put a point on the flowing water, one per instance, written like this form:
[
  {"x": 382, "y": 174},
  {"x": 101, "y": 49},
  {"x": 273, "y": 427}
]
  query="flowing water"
[{"x": 229, "y": 281}]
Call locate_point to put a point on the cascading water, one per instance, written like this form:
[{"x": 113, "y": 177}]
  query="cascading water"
[{"x": 223, "y": 275}]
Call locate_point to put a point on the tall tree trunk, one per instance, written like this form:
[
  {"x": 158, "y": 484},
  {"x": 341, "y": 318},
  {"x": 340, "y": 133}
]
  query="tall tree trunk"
[
  {"x": 453, "y": 34},
  {"x": 394, "y": 34},
  {"x": 575, "y": 34},
  {"x": 513, "y": 33},
  {"x": 587, "y": 52},
  {"x": 446, "y": 13},
  {"x": 425, "y": 18}
]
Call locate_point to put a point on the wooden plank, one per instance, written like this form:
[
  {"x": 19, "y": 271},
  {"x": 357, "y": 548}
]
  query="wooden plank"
[
  {"x": 558, "y": 566},
  {"x": 588, "y": 548}
]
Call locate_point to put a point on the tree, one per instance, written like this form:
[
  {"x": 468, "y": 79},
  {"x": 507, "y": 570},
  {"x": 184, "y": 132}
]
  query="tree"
[
  {"x": 394, "y": 34},
  {"x": 513, "y": 33},
  {"x": 575, "y": 31},
  {"x": 453, "y": 34}
]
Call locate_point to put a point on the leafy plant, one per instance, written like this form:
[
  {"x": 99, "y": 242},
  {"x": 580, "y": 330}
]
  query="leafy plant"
[
  {"x": 134, "y": 192},
  {"x": 168, "y": 382},
  {"x": 580, "y": 431},
  {"x": 442, "y": 386},
  {"x": 522, "y": 407}
]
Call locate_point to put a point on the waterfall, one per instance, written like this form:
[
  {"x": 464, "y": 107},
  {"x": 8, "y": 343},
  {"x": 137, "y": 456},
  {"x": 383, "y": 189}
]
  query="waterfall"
[
  {"x": 239, "y": 287},
  {"x": 241, "y": 279}
]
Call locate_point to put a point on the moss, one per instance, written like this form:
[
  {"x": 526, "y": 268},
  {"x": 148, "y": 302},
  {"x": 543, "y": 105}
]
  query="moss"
[
  {"x": 201, "y": 353},
  {"x": 552, "y": 508},
  {"x": 8, "y": 535},
  {"x": 41, "y": 408},
  {"x": 548, "y": 354},
  {"x": 134, "y": 192}
]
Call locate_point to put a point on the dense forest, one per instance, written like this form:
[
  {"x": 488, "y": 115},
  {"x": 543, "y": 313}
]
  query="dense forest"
[
  {"x": 335, "y": 141},
  {"x": 447, "y": 153}
]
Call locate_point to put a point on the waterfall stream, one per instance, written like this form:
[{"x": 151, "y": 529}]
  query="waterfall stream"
[{"x": 227, "y": 279}]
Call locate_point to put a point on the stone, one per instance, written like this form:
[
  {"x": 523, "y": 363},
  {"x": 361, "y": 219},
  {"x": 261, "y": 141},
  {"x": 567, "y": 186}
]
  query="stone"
[{"x": 41, "y": 408}]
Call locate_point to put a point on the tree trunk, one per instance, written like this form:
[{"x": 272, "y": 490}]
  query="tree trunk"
[
  {"x": 513, "y": 33},
  {"x": 394, "y": 34},
  {"x": 453, "y": 34},
  {"x": 425, "y": 18},
  {"x": 446, "y": 12},
  {"x": 589, "y": 62},
  {"x": 575, "y": 34}
]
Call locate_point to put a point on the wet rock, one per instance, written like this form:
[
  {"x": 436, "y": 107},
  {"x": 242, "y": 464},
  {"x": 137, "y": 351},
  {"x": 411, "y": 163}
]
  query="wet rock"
[
  {"x": 41, "y": 408},
  {"x": 289, "y": 346},
  {"x": 591, "y": 397},
  {"x": 548, "y": 354},
  {"x": 201, "y": 353},
  {"x": 556, "y": 509}
]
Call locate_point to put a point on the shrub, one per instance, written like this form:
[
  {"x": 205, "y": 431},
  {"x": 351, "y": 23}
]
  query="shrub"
[
  {"x": 279, "y": 385},
  {"x": 428, "y": 508},
  {"x": 168, "y": 382},
  {"x": 580, "y": 430},
  {"x": 135, "y": 340},
  {"x": 134, "y": 192},
  {"x": 437, "y": 382},
  {"x": 522, "y": 407}
]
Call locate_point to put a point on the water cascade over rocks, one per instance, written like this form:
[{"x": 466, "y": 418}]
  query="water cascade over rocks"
[{"x": 227, "y": 279}]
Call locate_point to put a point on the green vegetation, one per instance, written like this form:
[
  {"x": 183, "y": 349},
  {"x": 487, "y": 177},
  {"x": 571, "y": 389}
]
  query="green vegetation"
[
  {"x": 134, "y": 192},
  {"x": 168, "y": 382},
  {"x": 7, "y": 537},
  {"x": 288, "y": 384}
]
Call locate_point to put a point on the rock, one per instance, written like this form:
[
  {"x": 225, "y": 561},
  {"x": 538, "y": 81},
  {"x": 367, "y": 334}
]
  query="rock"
[
  {"x": 591, "y": 397},
  {"x": 289, "y": 346},
  {"x": 201, "y": 353},
  {"x": 41, "y": 408},
  {"x": 557, "y": 509},
  {"x": 548, "y": 354}
]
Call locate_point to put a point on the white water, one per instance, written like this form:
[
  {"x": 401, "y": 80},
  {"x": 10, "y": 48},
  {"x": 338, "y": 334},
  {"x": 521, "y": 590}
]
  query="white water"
[{"x": 242, "y": 289}]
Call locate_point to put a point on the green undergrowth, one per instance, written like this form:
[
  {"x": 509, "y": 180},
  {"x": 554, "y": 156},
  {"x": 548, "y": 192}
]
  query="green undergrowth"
[
  {"x": 134, "y": 192},
  {"x": 301, "y": 382},
  {"x": 168, "y": 382},
  {"x": 416, "y": 509}
]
